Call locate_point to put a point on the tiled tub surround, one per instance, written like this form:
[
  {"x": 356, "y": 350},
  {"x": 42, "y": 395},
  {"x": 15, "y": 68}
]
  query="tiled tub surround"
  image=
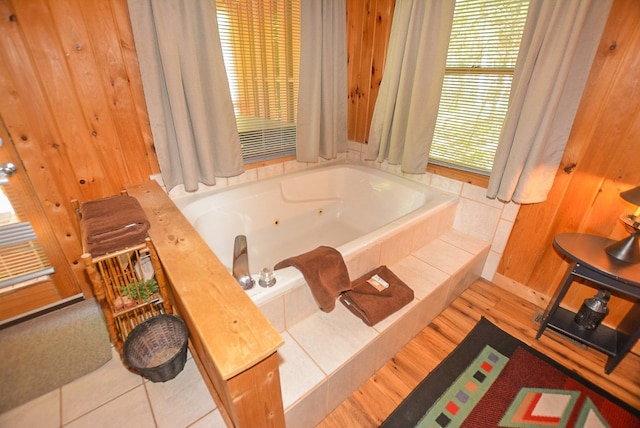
[
  {"x": 326, "y": 356},
  {"x": 341, "y": 204},
  {"x": 489, "y": 220},
  {"x": 297, "y": 304}
]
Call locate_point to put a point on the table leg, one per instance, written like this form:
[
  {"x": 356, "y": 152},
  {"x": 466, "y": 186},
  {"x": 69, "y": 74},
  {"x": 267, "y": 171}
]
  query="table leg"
[{"x": 556, "y": 299}]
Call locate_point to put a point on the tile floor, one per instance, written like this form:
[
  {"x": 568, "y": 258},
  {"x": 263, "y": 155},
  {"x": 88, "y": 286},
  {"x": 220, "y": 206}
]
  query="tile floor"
[{"x": 112, "y": 396}]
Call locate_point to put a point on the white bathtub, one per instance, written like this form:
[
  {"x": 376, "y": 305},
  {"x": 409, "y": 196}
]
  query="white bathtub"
[{"x": 343, "y": 205}]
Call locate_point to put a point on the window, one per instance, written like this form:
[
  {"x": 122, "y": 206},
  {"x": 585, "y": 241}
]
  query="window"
[
  {"x": 485, "y": 41},
  {"x": 261, "y": 45}
]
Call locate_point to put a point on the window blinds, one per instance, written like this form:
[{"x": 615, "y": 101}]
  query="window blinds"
[
  {"x": 22, "y": 257},
  {"x": 485, "y": 41},
  {"x": 261, "y": 47}
]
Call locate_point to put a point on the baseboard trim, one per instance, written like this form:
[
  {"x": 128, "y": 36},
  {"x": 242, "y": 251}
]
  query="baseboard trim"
[{"x": 521, "y": 290}]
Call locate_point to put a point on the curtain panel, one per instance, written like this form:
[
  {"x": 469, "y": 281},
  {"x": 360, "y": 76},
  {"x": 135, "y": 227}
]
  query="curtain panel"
[
  {"x": 404, "y": 117},
  {"x": 558, "y": 46},
  {"x": 186, "y": 90},
  {"x": 321, "y": 129}
]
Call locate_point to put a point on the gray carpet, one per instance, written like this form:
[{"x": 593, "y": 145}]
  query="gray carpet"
[{"x": 42, "y": 354}]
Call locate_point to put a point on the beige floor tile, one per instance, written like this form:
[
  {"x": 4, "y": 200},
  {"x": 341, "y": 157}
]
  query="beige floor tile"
[
  {"x": 96, "y": 388},
  {"x": 181, "y": 400},
  {"x": 128, "y": 410},
  {"x": 210, "y": 420},
  {"x": 41, "y": 412}
]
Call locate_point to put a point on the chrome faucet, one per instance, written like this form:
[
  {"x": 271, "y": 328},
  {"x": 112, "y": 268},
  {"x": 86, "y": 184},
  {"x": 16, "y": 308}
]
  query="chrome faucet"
[{"x": 241, "y": 262}]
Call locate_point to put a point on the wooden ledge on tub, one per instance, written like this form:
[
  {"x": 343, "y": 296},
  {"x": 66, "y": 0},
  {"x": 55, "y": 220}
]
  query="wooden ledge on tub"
[{"x": 234, "y": 344}]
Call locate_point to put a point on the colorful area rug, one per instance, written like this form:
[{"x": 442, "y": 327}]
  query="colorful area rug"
[{"x": 494, "y": 380}]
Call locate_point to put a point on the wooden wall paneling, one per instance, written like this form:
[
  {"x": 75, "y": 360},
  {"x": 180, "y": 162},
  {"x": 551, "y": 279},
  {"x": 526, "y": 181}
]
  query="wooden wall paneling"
[
  {"x": 128, "y": 142},
  {"x": 23, "y": 199},
  {"x": 95, "y": 138},
  {"x": 595, "y": 166},
  {"x": 132, "y": 68},
  {"x": 60, "y": 89},
  {"x": 352, "y": 26},
  {"x": 75, "y": 105},
  {"x": 608, "y": 160},
  {"x": 369, "y": 24},
  {"x": 26, "y": 112},
  {"x": 52, "y": 202},
  {"x": 27, "y": 116},
  {"x": 356, "y": 18},
  {"x": 366, "y": 48},
  {"x": 589, "y": 140},
  {"x": 383, "y": 18}
]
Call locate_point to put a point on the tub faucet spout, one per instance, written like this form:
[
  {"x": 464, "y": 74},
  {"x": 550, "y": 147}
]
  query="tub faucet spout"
[{"x": 241, "y": 262}]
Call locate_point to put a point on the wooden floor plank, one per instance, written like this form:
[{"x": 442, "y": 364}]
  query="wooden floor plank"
[
  {"x": 373, "y": 401},
  {"x": 430, "y": 343},
  {"x": 379, "y": 396},
  {"x": 391, "y": 385},
  {"x": 350, "y": 415},
  {"x": 407, "y": 369}
]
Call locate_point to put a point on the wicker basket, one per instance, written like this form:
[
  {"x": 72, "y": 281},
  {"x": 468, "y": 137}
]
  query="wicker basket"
[{"x": 157, "y": 347}]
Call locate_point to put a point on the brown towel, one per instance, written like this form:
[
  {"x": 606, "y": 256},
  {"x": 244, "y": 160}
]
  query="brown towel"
[
  {"x": 112, "y": 224},
  {"x": 325, "y": 272},
  {"x": 371, "y": 305}
]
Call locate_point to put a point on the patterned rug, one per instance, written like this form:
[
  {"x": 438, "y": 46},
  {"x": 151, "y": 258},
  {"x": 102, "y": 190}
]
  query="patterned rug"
[{"x": 494, "y": 380}]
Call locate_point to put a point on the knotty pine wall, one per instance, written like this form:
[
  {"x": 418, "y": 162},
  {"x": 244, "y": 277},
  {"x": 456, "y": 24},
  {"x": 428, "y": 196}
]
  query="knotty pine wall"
[
  {"x": 72, "y": 99},
  {"x": 368, "y": 28},
  {"x": 600, "y": 161}
]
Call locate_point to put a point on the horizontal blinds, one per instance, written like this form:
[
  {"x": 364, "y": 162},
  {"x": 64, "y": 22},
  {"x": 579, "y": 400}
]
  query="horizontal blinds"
[
  {"x": 485, "y": 40},
  {"x": 263, "y": 139},
  {"x": 21, "y": 256},
  {"x": 261, "y": 45}
]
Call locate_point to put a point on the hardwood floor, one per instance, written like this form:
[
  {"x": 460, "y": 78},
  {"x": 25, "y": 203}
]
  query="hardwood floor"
[{"x": 379, "y": 396}]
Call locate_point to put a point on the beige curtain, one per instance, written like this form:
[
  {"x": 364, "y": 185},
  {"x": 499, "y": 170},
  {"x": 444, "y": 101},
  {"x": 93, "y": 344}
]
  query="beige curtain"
[
  {"x": 186, "y": 90},
  {"x": 558, "y": 46},
  {"x": 322, "y": 96},
  {"x": 405, "y": 113}
]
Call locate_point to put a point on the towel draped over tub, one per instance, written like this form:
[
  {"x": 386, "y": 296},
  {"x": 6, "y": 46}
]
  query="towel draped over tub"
[{"x": 326, "y": 274}]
